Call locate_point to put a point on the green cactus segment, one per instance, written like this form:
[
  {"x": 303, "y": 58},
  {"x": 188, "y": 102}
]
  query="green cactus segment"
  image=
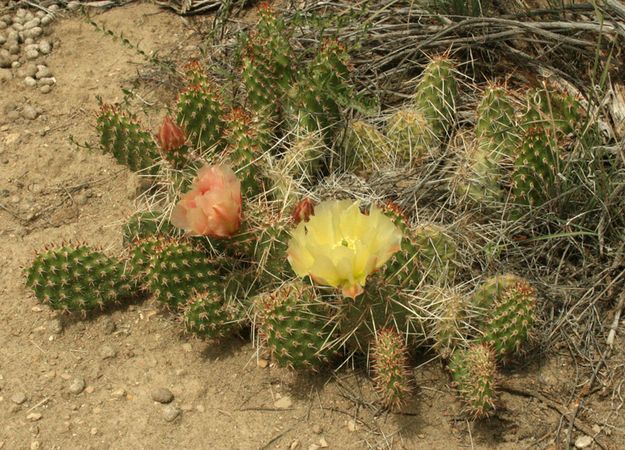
[
  {"x": 177, "y": 270},
  {"x": 366, "y": 148},
  {"x": 403, "y": 269},
  {"x": 497, "y": 137},
  {"x": 122, "y": 137},
  {"x": 322, "y": 90},
  {"x": 200, "y": 112},
  {"x": 266, "y": 71},
  {"x": 303, "y": 158},
  {"x": 535, "y": 175},
  {"x": 436, "y": 96},
  {"x": 509, "y": 322},
  {"x": 450, "y": 316},
  {"x": 556, "y": 111},
  {"x": 491, "y": 290},
  {"x": 390, "y": 365},
  {"x": 141, "y": 253},
  {"x": 436, "y": 251},
  {"x": 77, "y": 279},
  {"x": 146, "y": 224},
  {"x": 205, "y": 315},
  {"x": 246, "y": 143},
  {"x": 293, "y": 324},
  {"x": 474, "y": 372},
  {"x": 410, "y": 136}
]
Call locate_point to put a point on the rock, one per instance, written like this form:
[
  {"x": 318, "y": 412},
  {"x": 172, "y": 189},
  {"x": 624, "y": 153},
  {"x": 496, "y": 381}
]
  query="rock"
[
  {"x": 14, "y": 49},
  {"x": 15, "y": 64},
  {"x": 45, "y": 47},
  {"x": 313, "y": 447},
  {"x": 2, "y": 39},
  {"x": 29, "y": 70},
  {"x": 31, "y": 53},
  {"x": 5, "y": 75},
  {"x": 5, "y": 62},
  {"x": 35, "y": 445},
  {"x": 43, "y": 72},
  {"x": 162, "y": 395},
  {"x": 30, "y": 81},
  {"x": 317, "y": 429},
  {"x": 32, "y": 23},
  {"x": 262, "y": 363},
  {"x": 323, "y": 443},
  {"x": 48, "y": 81},
  {"x": 18, "y": 398},
  {"x": 93, "y": 431},
  {"x": 34, "y": 417},
  {"x": 283, "y": 402},
  {"x": 351, "y": 425},
  {"x": 45, "y": 89},
  {"x": 187, "y": 347},
  {"x": 89, "y": 389},
  {"x": 583, "y": 441},
  {"x": 119, "y": 393},
  {"x": 295, "y": 444},
  {"x": 170, "y": 413},
  {"x": 73, "y": 5},
  {"x": 55, "y": 325},
  {"x": 46, "y": 20},
  {"x": 107, "y": 352},
  {"x": 28, "y": 112},
  {"x": 77, "y": 386},
  {"x": 34, "y": 32}
]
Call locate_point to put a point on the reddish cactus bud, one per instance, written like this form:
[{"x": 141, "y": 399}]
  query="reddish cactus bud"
[
  {"x": 170, "y": 136},
  {"x": 303, "y": 210}
]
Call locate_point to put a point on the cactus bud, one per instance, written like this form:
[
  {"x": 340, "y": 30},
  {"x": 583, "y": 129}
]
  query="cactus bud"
[
  {"x": 303, "y": 210},
  {"x": 170, "y": 136}
]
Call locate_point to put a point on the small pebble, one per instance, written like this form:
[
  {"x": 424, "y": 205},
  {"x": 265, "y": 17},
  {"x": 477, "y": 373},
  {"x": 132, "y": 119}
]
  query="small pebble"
[
  {"x": 323, "y": 443},
  {"x": 351, "y": 425},
  {"x": 28, "y": 112},
  {"x": 18, "y": 398},
  {"x": 93, "y": 431},
  {"x": 317, "y": 429},
  {"x": 55, "y": 325},
  {"x": 295, "y": 445},
  {"x": 30, "y": 81},
  {"x": 262, "y": 363},
  {"x": 73, "y": 5},
  {"x": 107, "y": 352},
  {"x": 89, "y": 389},
  {"x": 35, "y": 445},
  {"x": 313, "y": 447},
  {"x": 283, "y": 402},
  {"x": 170, "y": 413},
  {"x": 118, "y": 393},
  {"x": 29, "y": 70},
  {"x": 31, "y": 53},
  {"x": 43, "y": 72},
  {"x": 162, "y": 395},
  {"x": 45, "y": 47},
  {"x": 77, "y": 386},
  {"x": 583, "y": 441},
  {"x": 34, "y": 417},
  {"x": 187, "y": 347},
  {"x": 45, "y": 89}
]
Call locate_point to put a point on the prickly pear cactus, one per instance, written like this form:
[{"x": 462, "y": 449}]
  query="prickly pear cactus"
[
  {"x": 497, "y": 136},
  {"x": 474, "y": 372},
  {"x": 122, "y": 136},
  {"x": 77, "y": 279},
  {"x": 145, "y": 224},
  {"x": 509, "y": 322},
  {"x": 366, "y": 148},
  {"x": 266, "y": 71},
  {"x": 535, "y": 174},
  {"x": 450, "y": 314},
  {"x": 201, "y": 113},
  {"x": 177, "y": 270},
  {"x": 294, "y": 326},
  {"x": 206, "y": 315},
  {"x": 390, "y": 367},
  {"x": 436, "y": 96},
  {"x": 410, "y": 136},
  {"x": 436, "y": 251}
]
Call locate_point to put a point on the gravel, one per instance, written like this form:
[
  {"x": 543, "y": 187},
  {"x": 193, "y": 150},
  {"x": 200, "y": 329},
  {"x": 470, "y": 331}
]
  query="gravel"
[
  {"x": 162, "y": 395},
  {"x": 18, "y": 398},
  {"x": 170, "y": 413},
  {"x": 77, "y": 386},
  {"x": 107, "y": 352}
]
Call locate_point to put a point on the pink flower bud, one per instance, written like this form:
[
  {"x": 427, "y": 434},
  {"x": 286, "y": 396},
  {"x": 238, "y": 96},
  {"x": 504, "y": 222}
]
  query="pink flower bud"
[
  {"x": 303, "y": 210},
  {"x": 170, "y": 136},
  {"x": 213, "y": 206}
]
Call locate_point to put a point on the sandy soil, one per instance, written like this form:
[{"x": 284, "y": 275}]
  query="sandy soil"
[{"x": 51, "y": 191}]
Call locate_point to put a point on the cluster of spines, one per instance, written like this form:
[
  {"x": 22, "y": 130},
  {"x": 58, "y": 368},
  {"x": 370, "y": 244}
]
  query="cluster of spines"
[
  {"x": 206, "y": 315},
  {"x": 123, "y": 137},
  {"x": 145, "y": 224},
  {"x": 266, "y": 66},
  {"x": 201, "y": 112},
  {"x": 450, "y": 315},
  {"x": 474, "y": 375},
  {"x": 403, "y": 270},
  {"x": 177, "y": 270},
  {"x": 390, "y": 366},
  {"x": 366, "y": 148},
  {"x": 436, "y": 252},
  {"x": 294, "y": 327},
  {"x": 78, "y": 279}
]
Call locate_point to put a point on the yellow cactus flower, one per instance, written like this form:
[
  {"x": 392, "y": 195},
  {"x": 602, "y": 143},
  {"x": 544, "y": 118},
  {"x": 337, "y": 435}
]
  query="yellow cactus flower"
[{"x": 340, "y": 246}]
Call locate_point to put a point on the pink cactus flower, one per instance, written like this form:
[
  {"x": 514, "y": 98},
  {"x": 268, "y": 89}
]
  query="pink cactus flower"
[
  {"x": 213, "y": 206},
  {"x": 170, "y": 136}
]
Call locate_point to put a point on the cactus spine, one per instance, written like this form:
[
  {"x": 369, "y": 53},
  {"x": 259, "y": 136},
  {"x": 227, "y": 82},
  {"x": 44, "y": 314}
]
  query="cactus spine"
[{"x": 205, "y": 315}]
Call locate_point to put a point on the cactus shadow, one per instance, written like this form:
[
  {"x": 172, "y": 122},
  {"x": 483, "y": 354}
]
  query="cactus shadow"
[{"x": 224, "y": 348}]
